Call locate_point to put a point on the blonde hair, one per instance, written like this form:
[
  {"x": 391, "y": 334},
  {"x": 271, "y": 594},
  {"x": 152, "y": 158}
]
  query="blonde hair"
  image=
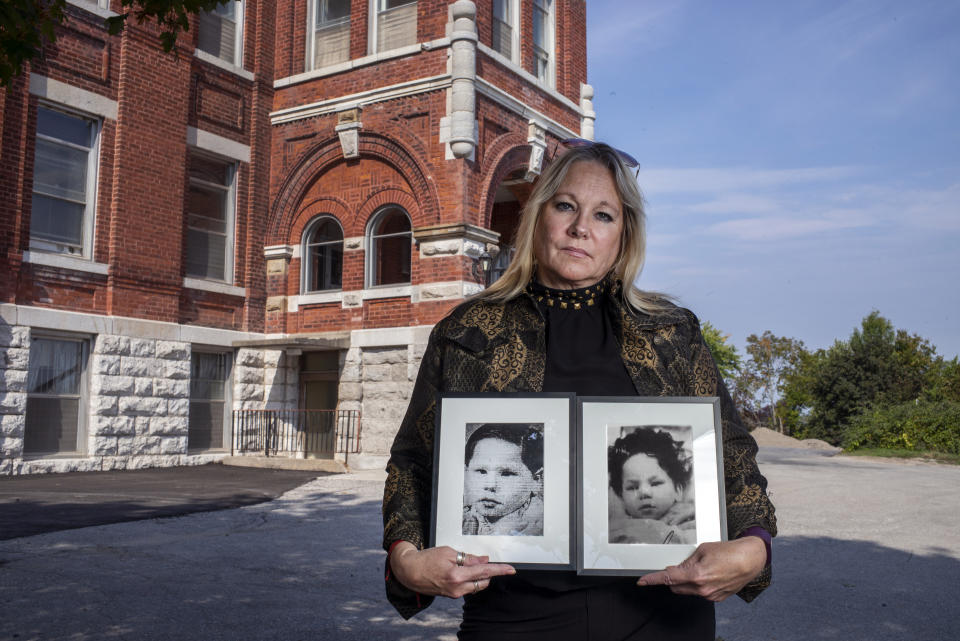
[{"x": 629, "y": 263}]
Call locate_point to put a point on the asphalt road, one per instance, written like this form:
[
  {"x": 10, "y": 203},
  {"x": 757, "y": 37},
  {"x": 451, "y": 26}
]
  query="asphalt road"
[
  {"x": 869, "y": 550},
  {"x": 39, "y": 503}
]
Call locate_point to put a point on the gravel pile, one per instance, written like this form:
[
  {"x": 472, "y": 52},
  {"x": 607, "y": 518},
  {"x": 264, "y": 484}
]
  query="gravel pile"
[{"x": 769, "y": 438}]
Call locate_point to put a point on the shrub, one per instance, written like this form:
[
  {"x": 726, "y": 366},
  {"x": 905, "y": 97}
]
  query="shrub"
[{"x": 918, "y": 425}]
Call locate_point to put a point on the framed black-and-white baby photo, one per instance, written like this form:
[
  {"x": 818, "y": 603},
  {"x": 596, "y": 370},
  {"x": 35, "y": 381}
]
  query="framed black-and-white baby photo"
[
  {"x": 650, "y": 486},
  {"x": 503, "y": 478}
]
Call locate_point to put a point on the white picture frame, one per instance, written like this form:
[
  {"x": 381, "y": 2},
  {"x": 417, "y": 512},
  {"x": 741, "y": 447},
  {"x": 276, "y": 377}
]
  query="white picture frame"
[
  {"x": 541, "y": 420},
  {"x": 677, "y": 447}
]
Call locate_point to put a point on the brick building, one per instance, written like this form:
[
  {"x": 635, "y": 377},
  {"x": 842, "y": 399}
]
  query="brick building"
[{"x": 272, "y": 219}]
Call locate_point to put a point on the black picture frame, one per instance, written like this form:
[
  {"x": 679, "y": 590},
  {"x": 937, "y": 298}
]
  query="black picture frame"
[
  {"x": 513, "y": 537},
  {"x": 605, "y": 545}
]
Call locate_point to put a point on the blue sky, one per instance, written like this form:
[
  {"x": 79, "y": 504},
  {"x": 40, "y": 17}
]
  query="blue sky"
[{"x": 801, "y": 161}]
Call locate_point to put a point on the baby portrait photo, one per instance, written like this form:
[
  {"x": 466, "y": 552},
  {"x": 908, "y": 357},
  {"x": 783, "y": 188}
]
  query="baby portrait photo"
[
  {"x": 651, "y": 489},
  {"x": 503, "y": 479}
]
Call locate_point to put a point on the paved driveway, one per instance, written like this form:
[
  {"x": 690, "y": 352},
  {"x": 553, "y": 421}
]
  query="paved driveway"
[{"x": 869, "y": 550}]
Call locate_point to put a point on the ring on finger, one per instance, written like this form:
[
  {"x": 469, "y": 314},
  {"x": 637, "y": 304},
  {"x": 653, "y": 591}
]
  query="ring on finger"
[
  {"x": 476, "y": 586},
  {"x": 461, "y": 557}
]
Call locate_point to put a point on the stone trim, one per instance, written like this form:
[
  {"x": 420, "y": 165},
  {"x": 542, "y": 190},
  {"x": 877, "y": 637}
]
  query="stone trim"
[
  {"x": 356, "y": 63},
  {"x": 70, "y": 96},
  {"x": 64, "y": 261},
  {"x": 380, "y": 94},
  {"x": 62, "y": 320},
  {"x": 209, "y": 58},
  {"x": 508, "y": 101},
  {"x": 211, "y": 286},
  {"x": 219, "y": 145}
]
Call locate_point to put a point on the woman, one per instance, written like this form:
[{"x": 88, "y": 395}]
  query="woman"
[
  {"x": 565, "y": 317},
  {"x": 650, "y": 475},
  {"x": 503, "y": 480}
]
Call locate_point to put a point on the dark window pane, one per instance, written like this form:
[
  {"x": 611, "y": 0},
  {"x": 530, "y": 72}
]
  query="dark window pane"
[
  {"x": 392, "y": 222},
  {"x": 63, "y": 126},
  {"x": 393, "y": 260},
  {"x": 320, "y": 362},
  {"x": 60, "y": 171},
  {"x": 331, "y": 10},
  {"x": 51, "y": 425},
  {"x": 326, "y": 231},
  {"x": 209, "y": 170},
  {"x": 206, "y": 425},
  {"x": 57, "y": 221},
  {"x": 206, "y": 253}
]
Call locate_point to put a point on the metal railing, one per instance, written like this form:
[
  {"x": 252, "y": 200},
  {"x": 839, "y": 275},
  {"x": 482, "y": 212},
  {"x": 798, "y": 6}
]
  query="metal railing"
[{"x": 295, "y": 433}]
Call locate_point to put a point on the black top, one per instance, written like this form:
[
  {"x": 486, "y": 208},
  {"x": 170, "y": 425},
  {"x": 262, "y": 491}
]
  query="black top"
[
  {"x": 582, "y": 351},
  {"x": 583, "y": 357}
]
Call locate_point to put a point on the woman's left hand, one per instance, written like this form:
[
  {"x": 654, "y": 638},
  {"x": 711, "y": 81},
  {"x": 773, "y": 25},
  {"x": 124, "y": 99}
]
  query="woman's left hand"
[{"x": 714, "y": 570}]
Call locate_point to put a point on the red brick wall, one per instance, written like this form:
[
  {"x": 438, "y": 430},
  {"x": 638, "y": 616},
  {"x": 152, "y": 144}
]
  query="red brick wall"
[
  {"x": 139, "y": 222},
  {"x": 296, "y": 171}
]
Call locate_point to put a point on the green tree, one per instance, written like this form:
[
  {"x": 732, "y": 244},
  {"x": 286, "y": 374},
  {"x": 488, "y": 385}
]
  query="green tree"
[
  {"x": 877, "y": 366},
  {"x": 27, "y": 26},
  {"x": 772, "y": 360},
  {"x": 724, "y": 353}
]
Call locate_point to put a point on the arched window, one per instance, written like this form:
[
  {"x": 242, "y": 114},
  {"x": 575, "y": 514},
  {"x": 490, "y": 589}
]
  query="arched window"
[
  {"x": 323, "y": 255},
  {"x": 388, "y": 247}
]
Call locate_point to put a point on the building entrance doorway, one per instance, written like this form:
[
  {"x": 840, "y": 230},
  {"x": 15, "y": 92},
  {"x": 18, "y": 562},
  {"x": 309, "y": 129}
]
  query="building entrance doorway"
[{"x": 319, "y": 383}]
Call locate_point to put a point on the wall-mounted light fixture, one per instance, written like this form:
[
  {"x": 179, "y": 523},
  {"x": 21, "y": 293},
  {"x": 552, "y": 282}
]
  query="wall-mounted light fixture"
[{"x": 482, "y": 266}]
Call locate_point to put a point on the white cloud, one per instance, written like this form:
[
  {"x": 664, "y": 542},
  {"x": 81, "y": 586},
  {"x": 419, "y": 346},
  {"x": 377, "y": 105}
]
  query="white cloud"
[
  {"x": 736, "y": 203},
  {"x": 775, "y": 228},
  {"x": 673, "y": 180}
]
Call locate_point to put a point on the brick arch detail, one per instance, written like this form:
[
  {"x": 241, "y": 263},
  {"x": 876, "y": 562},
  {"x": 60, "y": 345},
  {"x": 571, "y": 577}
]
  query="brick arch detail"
[
  {"x": 507, "y": 154},
  {"x": 389, "y": 196},
  {"x": 325, "y": 205},
  {"x": 328, "y": 153}
]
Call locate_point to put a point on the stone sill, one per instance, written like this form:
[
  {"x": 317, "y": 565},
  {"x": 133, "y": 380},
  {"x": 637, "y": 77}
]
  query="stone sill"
[
  {"x": 223, "y": 64},
  {"x": 65, "y": 261},
  {"x": 212, "y": 286}
]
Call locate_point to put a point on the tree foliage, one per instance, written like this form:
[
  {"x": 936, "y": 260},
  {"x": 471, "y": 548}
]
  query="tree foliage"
[
  {"x": 760, "y": 385},
  {"x": 28, "y": 26},
  {"x": 877, "y": 366},
  {"x": 724, "y": 353}
]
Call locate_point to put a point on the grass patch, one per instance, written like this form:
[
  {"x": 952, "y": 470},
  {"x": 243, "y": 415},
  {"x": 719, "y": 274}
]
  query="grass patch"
[{"x": 887, "y": 452}]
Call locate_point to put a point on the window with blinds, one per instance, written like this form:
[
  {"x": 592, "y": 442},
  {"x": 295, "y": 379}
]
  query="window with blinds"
[
  {"x": 64, "y": 182},
  {"x": 209, "y": 413},
  {"x": 54, "y": 383},
  {"x": 542, "y": 40},
  {"x": 396, "y": 24},
  {"x": 219, "y": 32},
  {"x": 503, "y": 28},
  {"x": 331, "y": 32},
  {"x": 210, "y": 213}
]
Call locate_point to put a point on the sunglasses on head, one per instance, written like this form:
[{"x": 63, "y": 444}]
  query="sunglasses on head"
[{"x": 574, "y": 143}]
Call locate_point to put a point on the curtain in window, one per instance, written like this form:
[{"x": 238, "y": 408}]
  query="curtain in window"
[
  {"x": 396, "y": 25},
  {"x": 53, "y": 396},
  {"x": 208, "y": 379},
  {"x": 332, "y": 33},
  {"x": 217, "y": 32},
  {"x": 502, "y": 31}
]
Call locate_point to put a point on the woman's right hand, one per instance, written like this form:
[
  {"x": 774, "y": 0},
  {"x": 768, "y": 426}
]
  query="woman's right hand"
[{"x": 434, "y": 571}]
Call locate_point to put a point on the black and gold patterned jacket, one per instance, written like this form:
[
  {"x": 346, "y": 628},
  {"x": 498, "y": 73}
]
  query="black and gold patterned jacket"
[{"x": 501, "y": 347}]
